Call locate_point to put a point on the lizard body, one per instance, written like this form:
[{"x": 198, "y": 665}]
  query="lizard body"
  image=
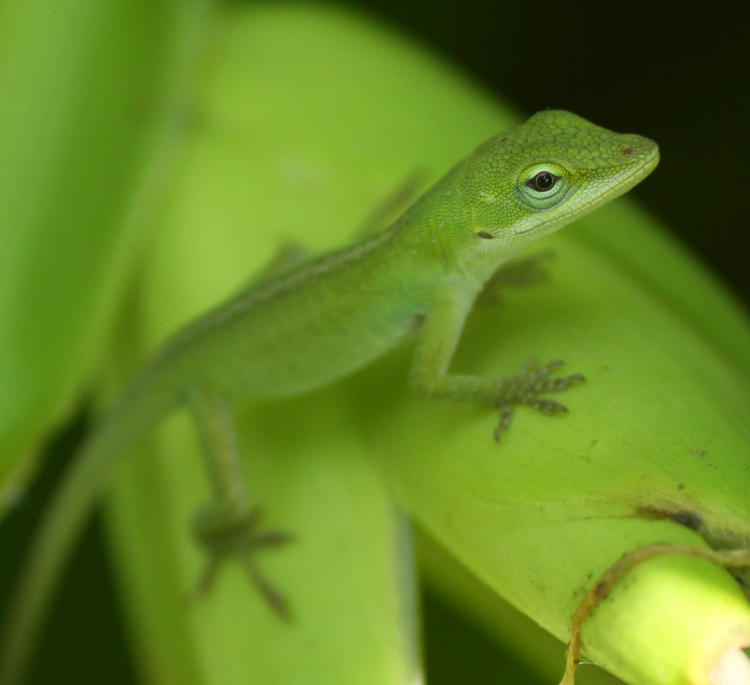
[{"x": 309, "y": 324}]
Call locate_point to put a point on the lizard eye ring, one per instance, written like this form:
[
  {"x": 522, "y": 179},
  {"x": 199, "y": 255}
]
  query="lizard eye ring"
[{"x": 543, "y": 186}]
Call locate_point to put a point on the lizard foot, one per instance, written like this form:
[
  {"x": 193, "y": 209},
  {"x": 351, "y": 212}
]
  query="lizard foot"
[
  {"x": 226, "y": 536},
  {"x": 525, "y": 386}
]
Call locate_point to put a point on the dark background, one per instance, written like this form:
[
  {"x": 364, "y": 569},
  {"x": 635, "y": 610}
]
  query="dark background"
[{"x": 676, "y": 73}]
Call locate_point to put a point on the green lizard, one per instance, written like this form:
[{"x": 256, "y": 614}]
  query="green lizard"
[{"x": 308, "y": 324}]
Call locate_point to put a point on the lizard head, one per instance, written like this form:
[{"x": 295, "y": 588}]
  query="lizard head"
[{"x": 541, "y": 175}]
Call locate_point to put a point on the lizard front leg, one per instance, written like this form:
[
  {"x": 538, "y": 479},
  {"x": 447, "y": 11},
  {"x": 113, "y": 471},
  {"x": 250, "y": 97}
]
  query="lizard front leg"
[
  {"x": 228, "y": 526},
  {"x": 436, "y": 344}
]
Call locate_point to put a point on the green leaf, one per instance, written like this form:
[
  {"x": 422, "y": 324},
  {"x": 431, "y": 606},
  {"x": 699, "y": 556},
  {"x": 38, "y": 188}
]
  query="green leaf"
[
  {"x": 658, "y": 430},
  {"x": 87, "y": 130}
]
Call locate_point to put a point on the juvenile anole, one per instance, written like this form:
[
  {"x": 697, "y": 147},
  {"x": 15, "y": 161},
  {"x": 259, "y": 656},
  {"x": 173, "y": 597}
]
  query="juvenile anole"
[{"x": 308, "y": 324}]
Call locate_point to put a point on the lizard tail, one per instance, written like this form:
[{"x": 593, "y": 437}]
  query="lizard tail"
[{"x": 139, "y": 408}]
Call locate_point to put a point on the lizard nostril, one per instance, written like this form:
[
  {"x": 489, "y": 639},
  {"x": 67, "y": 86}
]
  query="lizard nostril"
[{"x": 627, "y": 152}]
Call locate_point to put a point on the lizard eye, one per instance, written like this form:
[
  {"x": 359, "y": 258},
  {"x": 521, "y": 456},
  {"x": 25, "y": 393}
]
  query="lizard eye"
[
  {"x": 543, "y": 186},
  {"x": 543, "y": 181}
]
